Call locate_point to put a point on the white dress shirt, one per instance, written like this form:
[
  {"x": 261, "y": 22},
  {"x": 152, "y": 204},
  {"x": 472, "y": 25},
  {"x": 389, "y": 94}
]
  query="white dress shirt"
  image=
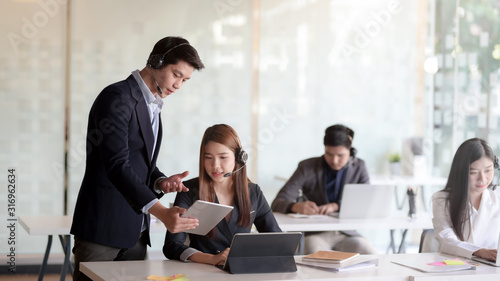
[
  {"x": 154, "y": 105},
  {"x": 481, "y": 231}
]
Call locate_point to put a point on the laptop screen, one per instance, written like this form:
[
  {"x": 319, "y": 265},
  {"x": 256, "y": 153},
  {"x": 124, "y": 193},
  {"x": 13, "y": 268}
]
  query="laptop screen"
[{"x": 366, "y": 201}]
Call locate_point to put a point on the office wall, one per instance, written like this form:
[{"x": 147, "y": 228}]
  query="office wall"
[
  {"x": 327, "y": 62},
  {"x": 103, "y": 54},
  {"x": 32, "y": 81},
  {"x": 318, "y": 63}
]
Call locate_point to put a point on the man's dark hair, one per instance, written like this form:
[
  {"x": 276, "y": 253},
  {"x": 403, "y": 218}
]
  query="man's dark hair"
[{"x": 171, "y": 50}]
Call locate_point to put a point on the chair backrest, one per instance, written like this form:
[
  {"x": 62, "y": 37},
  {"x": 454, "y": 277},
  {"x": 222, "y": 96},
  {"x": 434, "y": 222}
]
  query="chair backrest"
[{"x": 428, "y": 243}]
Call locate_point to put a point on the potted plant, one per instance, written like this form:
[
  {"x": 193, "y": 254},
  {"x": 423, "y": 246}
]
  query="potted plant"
[{"x": 395, "y": 164}]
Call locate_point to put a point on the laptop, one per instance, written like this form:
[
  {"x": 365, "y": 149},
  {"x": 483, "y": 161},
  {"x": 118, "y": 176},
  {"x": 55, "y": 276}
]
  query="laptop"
[
  {"x": 497, "y": 263},
  {"x": 365, "y": 201},
  {"x": 266, "y": 252}
]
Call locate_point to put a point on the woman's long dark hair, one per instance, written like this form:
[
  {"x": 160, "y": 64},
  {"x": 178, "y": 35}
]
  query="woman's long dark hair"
[
  {"x": 457, "y": 185},
  {"x": 226, "y": 135}
]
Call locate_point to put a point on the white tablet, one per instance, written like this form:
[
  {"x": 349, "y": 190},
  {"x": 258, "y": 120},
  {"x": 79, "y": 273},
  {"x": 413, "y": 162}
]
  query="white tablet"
[{"x": 208, "y": 214}]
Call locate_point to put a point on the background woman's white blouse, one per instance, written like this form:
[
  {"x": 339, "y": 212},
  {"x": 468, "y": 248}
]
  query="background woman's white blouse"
[{"x": 482, "y": 231}]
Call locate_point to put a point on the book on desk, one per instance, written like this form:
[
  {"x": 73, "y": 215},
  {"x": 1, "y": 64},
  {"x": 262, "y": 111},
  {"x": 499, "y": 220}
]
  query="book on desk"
[
  {"x": 357, "y": 262},
  {"x": 330, "y": 256}
]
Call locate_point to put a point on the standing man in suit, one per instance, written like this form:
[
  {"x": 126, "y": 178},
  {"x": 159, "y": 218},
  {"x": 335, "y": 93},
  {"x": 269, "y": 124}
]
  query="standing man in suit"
[
  {"x": 122, "y": 184},
  {"x": 316, "y": 188}
]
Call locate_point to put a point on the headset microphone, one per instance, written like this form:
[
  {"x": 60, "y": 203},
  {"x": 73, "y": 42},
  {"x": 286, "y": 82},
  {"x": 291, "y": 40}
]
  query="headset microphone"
[
  {"x": 229, "y": 174},
  {"x": 157, "y": 86},
  {"x": 241, "y": 158},
  {"x": 496, "y": 165}
]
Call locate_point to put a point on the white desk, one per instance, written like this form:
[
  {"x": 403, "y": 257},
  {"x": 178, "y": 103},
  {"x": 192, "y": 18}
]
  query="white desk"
[
  {"x": 61, "y": 225},
  {"x": 386, "y": 271},
  {"x": 326, "y": 223},
  {"x": 410, "y": 181},
  {"x": 51, "y": 225}
]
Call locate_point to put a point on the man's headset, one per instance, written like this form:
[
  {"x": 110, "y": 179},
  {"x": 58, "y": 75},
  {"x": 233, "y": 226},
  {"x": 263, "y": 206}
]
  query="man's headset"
[{"x": 156, "y": 61}]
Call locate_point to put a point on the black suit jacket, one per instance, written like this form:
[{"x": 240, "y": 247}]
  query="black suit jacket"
[
  {"x": 120, "y": 169},
  {"x": 262, "y": 217}
]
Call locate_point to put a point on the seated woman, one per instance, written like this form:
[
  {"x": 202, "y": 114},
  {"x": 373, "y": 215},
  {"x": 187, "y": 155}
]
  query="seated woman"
[
  {"x": 466, "y": 213},
  {"x": 221, "y": 153}
]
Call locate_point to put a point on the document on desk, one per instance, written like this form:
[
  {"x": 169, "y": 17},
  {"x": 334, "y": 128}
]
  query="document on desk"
[
  {"x": 303, "y": 216},
  {"x": 330, "y": 256},
  {"x": 360, "y": 262},
  {"x": 436, "y": 264}
]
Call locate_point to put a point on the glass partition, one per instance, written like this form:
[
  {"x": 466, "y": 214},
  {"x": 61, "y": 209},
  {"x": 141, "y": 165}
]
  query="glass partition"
[{"x": 278, "y": 71}]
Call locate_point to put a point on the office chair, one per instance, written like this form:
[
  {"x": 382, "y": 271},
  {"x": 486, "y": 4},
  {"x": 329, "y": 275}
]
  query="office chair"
[{"x": 428, "y": 243}]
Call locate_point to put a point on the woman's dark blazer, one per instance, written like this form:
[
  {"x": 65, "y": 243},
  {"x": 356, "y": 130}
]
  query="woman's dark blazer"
[{"x": 262, "y": 217}]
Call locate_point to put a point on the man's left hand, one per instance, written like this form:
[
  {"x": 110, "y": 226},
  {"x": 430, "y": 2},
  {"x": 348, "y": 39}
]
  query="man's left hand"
[{"x": 174, "y": 183}]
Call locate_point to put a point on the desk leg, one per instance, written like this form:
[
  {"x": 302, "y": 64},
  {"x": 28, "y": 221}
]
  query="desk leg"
[
  {"x": 422, "y": 193},
  {"x": 45, "y": 258},
  {"x": 66, "y": 245},
  {"x": 301, "y": 244},
  {"x": 392, "y": 246},
  {"x": 402, "y": 244}
]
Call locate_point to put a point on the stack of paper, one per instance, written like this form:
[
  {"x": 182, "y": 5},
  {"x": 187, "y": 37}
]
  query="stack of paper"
[
  {"x": 330, "y": 256},
  {"x": 338, "y": 261}
]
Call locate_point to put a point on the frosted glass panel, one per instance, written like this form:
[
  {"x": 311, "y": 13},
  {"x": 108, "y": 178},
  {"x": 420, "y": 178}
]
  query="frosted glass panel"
[
  {"x": 319, "y": 62},
  {"x": 32, "y": 109},
  {"x": 104, "y": 54},
  {"x": 327, "y": 62}
]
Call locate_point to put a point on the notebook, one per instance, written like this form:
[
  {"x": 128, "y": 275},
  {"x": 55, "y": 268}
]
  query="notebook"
[
  {"x": 262, "y": 252},
  {"x": 497, "y": 263},
  {"x": 365, "y": 201},
  {"x": 434, "y": 264},
  {"x": 330, "y": 256},
  {"x": 360, "y": 262}
]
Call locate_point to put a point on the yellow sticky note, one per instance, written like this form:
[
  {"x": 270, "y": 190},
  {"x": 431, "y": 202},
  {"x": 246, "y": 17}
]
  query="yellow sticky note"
[
  {"x": 166, "y": 278},
  {"x": 156, "y": 277},
  {"x": 454, "y": 262}
]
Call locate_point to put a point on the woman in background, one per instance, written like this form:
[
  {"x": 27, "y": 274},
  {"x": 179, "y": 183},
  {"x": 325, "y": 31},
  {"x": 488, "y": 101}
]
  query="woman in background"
[
  {"x": 466, "y": 213},
  {"x": 221, "y": 154}
]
